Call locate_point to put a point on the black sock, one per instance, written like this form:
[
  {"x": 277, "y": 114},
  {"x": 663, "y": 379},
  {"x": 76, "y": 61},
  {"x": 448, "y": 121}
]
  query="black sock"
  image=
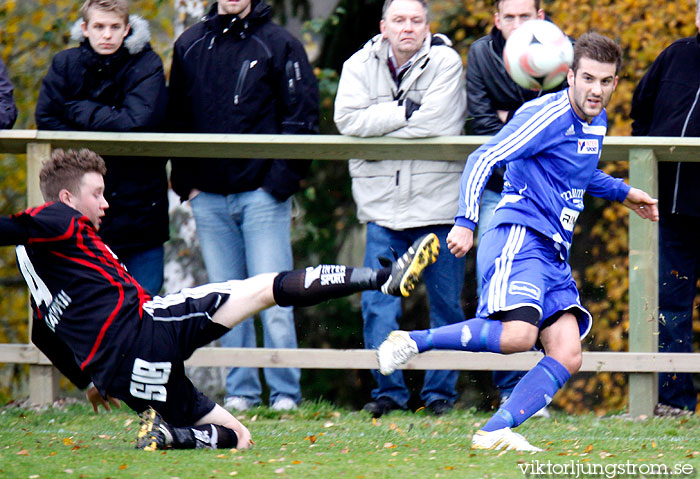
[
  {"x": 210, "y": 436},
  {"x": 324, "y": 282}
]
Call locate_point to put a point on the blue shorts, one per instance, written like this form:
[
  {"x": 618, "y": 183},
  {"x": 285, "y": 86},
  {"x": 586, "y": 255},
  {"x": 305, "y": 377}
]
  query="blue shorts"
[
  {"x": 523, "y": 268},
  {"x": 153, "y": 374}
]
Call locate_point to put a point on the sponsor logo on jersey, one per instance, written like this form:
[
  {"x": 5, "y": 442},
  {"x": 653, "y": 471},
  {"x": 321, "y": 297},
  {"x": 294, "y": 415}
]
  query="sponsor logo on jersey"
[
  {"x": 568, "y": 218},
  {"x": 570, "y": 131},
  {"x": 524, "y": 288},
  {"x": 588, "y": 147}
]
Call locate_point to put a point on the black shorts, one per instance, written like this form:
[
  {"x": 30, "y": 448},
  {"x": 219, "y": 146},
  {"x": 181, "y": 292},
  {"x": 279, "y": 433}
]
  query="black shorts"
[{"x": 153, "y": 374}]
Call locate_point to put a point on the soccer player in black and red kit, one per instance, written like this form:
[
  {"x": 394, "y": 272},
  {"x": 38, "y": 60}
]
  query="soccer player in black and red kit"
[{"x": 106, "y": 334}]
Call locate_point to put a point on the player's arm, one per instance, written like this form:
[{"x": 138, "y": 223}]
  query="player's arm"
[
  {"x": 12, "y": 232},
  {"x": 641, "y": 203},
  {"x": 605, "y": 186},
  {"x": 443, "y": 106}
]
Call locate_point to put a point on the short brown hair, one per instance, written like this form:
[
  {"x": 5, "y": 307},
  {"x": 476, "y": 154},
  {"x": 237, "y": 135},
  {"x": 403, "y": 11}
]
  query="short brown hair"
[
  {"x": 120, "y": 7},
  {"x": 65, "y": 170},
  {"x": 599, "y": 48}
]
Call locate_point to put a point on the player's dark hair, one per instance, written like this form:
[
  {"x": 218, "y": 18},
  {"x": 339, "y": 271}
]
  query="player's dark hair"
[
  {"x": 599, "y": 48},
  {"x": 497, "y": 4},
  {"x": 120, "y": 7},
  {"x": 387, "y": 3},
  {"x": 65, "y": 170}
]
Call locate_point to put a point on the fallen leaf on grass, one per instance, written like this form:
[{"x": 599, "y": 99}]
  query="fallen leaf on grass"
[
  {"x": 388, "y": 445},
  {"x": 67, "y": 441},
  {"x": 588, "y": 449},
  {"x": 449, "y": 468},
  {"x": 122, "y": 467},
  {"x": 279, "y": 471},
  {"x": 311, "y": 439},
  {"x": 23, "y": 452},
  {"x": 296, "y": 462}
]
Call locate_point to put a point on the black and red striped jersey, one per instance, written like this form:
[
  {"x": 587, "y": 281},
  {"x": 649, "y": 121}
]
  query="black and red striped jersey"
[{"x": 81, "y": 293}]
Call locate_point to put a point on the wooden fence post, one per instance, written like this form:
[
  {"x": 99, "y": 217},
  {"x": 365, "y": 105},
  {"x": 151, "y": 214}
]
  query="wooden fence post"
[
  {"x": 643, "y": 284},
  {"x": 43, "y": 380}
]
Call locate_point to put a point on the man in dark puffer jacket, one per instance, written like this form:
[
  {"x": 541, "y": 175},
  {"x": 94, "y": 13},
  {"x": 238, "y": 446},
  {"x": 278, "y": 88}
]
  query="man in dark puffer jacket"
[
  {"x": 114, "y": 81},
  {"x": 237, "y": 72},
  {"x": 665, "y": 103}
]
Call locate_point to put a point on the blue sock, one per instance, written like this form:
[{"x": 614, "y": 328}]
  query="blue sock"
[
  {"x": 533, "y": 392},
  {"x": 475, "y": 334}
]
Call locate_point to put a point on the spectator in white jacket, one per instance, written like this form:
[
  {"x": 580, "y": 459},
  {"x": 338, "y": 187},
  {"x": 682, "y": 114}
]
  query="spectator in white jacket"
[{"x": 406, "y": 83}]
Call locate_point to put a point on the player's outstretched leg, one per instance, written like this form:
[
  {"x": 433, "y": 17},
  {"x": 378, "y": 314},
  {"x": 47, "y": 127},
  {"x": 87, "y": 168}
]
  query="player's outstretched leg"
[
  {"x": 407, "y": 270},
  {"x": 154, "y": 434},
  {"x": 321, "y": 283}
]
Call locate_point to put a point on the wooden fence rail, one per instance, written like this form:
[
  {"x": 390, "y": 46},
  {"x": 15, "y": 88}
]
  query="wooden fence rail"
[{"x": 642, "y": 362}]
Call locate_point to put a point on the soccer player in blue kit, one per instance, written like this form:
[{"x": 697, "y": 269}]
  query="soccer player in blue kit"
[
  {"x": 551, "y": 149},
  {"x": 107, "y": 335}
]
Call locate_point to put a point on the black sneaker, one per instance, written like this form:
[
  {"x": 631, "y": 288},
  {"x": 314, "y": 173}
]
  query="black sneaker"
[
  {"x": 150, "y": 436},
  {"x": 381, "y": 406},
  {"x": 407, "y": 270},
  {"x": 439, "y": 407}
]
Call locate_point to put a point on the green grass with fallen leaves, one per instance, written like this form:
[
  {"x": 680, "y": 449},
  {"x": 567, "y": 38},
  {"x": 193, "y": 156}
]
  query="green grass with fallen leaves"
[{"x": 320, "y": 441}]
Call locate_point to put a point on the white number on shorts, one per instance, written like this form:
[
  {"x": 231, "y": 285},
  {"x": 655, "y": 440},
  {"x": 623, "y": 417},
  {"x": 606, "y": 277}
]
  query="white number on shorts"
[{"x": 148, "y": 379}]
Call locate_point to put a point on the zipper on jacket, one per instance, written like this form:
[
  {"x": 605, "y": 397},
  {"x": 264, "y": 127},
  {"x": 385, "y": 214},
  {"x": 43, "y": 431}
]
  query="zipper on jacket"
[
  {"x": 241, "y": 81},
  {"x": 397, "y": 177},
  {"x": 678, "y": 166},
  {"x": 291, "y": 82}
]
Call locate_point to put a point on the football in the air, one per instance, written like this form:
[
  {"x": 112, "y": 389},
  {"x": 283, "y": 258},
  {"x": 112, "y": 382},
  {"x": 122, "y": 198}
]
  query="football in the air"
[{"x": 537, "y": 55}]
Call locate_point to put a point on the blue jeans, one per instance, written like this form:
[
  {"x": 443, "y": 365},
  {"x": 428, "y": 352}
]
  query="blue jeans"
[
  {"x": 242, "y": 235},
  {"x": 146, "y": 267},
  {"x": 381, "y": 313},
  {"x": 505, "y": 381},
  {"x": 679, "y": 261}
]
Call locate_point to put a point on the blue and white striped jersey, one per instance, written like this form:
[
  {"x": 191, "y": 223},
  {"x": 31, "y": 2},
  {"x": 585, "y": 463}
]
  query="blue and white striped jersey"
[{"x": 551, "y": 159}]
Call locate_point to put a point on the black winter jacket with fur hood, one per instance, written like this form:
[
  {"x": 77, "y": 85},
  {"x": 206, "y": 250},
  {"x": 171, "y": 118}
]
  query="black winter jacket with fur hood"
[{"x": 122, "y": 92}]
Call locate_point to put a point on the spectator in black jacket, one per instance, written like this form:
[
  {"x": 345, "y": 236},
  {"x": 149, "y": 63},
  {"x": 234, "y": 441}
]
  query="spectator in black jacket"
[
  {"x": 8, "y": 110},
  {"x": 237, "y": 72},
  {"x": 492, "y": 99},
  {"x": 665, "y": 103},
  {"x": 114, "y": 81}
]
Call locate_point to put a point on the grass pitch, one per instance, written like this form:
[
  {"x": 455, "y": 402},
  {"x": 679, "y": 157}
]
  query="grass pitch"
[{"x": 320, "y": 441}]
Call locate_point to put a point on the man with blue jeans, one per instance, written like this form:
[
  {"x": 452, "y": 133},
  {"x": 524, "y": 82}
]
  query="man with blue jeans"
[
  {"x": 492, "y": 99},
  {"x": 405, "y": 83},
  {"x": 237, "y": 72},
  {"x": 257, "y": 240}
]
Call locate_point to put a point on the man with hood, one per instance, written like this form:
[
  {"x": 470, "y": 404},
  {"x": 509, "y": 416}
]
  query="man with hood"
[
  {"x": 114, "y": 81},
  {"x": 238, "y": 72},
  {"x": 405, "y": 83}
]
